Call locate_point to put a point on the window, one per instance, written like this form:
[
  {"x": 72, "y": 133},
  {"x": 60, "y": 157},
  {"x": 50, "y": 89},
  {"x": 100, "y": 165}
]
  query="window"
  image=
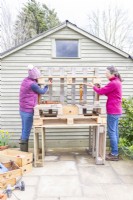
[{"x": 67, "y": 48}]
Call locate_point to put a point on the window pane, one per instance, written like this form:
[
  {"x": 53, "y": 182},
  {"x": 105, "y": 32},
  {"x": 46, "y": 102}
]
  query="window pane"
[{"x": 66, "y": 48}]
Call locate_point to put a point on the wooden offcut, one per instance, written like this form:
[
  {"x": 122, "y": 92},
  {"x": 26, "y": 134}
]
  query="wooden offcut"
[{"x": 70, "y": 110}]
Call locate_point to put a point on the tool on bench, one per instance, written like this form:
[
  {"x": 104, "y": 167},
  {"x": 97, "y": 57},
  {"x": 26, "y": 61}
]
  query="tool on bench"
[{"x": 20, "y": 185}]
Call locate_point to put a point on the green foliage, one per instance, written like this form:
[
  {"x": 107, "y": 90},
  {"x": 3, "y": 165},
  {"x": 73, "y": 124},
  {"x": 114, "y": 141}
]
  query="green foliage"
[
  {"x": 34, "y": 19},
  {"x": 126, "y": 128},
  {"x": 4, "y": 137}
]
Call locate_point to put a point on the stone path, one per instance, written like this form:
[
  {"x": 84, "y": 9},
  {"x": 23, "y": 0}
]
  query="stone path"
[{"x": 73, "y": 175}]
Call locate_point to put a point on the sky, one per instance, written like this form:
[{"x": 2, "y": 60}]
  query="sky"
[{"x": 76, "y": 11}]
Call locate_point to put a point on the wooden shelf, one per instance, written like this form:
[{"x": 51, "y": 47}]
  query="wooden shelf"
[
  {"x": 69, "y": 77},
  {"x": 61, "y": 83}
]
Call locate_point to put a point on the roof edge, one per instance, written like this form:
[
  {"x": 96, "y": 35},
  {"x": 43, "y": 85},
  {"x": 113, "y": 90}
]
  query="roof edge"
[
  {"x": 73, "y": 27},
  {"x": 98, "y": 40},
  {"x": 37, "y": 37}
]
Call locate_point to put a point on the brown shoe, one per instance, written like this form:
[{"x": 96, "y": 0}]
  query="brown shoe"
[{"x": 111, "y": 157}]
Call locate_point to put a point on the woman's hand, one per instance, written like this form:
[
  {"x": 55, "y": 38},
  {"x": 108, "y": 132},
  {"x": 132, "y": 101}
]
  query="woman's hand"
[
  {"x": 50, "y": 82},
  {"x": 90, "y": 84}
]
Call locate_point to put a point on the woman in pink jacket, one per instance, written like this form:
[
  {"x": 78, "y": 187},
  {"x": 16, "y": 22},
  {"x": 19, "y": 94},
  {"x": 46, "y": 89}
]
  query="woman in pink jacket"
[{"x": 113, "y": 91}]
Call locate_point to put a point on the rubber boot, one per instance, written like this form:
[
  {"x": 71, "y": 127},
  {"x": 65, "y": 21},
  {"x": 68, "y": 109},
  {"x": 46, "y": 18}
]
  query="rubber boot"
[{"x": 24, "y": 145}]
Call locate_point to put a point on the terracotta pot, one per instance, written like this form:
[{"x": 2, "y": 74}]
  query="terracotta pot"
[
  {"x": 3, "y": 147},
  {"x": 3, "y": 196}
]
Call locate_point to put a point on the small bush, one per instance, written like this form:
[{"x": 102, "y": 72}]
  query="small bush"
[{"x": 126, "y": 128}]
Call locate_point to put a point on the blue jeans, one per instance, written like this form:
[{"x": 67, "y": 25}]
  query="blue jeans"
[
  {"x": 27, "y": 121},
  {"x": 112, "y": 128}
]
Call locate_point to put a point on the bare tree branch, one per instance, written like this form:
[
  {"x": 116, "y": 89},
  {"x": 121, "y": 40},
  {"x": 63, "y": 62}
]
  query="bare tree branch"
[
  {"x": 6, "y": 27},
  {"x": 113, "y": 26}
]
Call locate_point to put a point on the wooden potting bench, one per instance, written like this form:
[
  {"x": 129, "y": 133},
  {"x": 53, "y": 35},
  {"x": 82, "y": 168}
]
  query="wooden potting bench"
[{"x": 61, "y": 114}]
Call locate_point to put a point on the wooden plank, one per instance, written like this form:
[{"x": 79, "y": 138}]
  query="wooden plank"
[
  {"x": 4, "y": 184},
  {"x": 50, "y": 86},
  {"x": 69, "y": 81},
  {"x": 96, "y": 95},
  {"x": 26, "y": 168},
  {"x": 62, "y": 90},
  {"x": 65, "y": 125},
  {"x": 37, "y": 160},
  {"x": 69, "y": 120},
  {"x": 37, "y": 122},
  {"x": 43, "y": 79},
  {"x": 50, "y": 89},
  {"x": 84, "y": 90},
  {"x": 36, "y": 145}
]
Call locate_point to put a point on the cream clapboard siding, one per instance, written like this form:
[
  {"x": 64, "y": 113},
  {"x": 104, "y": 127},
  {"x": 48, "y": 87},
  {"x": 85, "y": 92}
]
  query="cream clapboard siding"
[{"x": 93, "y": 55}]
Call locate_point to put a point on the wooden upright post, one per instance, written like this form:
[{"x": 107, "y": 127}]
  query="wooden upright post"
[
  {"x": 73, "y": 86},
  {"x": 50, "y": 86},
  {"x": 84, "y": 86}
]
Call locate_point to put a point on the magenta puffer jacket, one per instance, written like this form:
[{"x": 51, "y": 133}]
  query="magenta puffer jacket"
[{"x": 27, "y": 97}]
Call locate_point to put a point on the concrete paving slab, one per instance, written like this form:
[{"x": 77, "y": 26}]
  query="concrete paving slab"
[
  {"x": 67, "y": 157},
  {"x": 51, "y": 158},
  {"x": 30, "y": 181},
  {"x": 127, "y": 179},
  {"x": 93, "y": 191},
  {"x": 57, "y": 186},
  {"x": 123, "y": 167},
  {"x": 98, "y": 174},
  {"x": 66, "y": 151},
  {"x": 56, "y": 168},
  {"x": 119, "y": 191},
  {"x": 28, "y": 194},
  {"x": 85, "y": 160}
]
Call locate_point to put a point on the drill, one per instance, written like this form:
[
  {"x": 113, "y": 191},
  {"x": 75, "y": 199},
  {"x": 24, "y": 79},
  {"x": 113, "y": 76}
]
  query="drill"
[{"x": 19, "y": 186}]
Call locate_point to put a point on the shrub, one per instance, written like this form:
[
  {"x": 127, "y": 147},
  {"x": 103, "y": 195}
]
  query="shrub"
[{"x": 126, "y": 128}]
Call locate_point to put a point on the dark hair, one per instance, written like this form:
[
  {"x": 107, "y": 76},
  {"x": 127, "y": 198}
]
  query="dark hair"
[{"x": 113, "y": 70}]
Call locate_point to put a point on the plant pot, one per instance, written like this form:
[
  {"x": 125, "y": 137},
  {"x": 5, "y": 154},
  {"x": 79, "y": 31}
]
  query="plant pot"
[
  {"x": 3, "y": 196},
  {"x": 3, "y": 147}
]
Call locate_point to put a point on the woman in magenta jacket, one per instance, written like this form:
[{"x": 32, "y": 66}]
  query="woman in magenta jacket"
[
  {"x": 28, "y": 98},
  {"x": 113, "y": 91}
]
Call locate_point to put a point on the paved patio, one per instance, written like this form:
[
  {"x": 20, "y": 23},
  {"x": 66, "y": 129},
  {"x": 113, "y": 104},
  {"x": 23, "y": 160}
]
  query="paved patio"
[{"x": 73, "y": 175}]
